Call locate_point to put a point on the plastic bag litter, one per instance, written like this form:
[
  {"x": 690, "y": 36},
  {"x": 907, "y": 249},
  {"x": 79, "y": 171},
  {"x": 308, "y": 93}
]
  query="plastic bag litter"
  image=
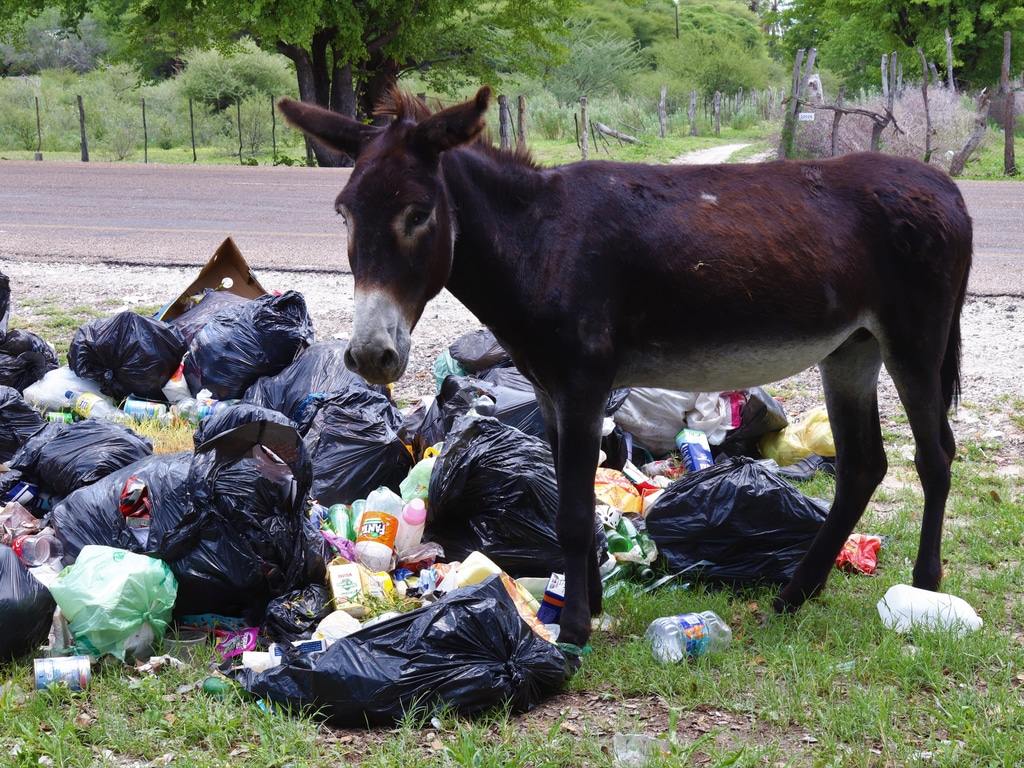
[
  {"x": 493, "y": 490},
  {"x": 736, "y": 522},
  {"x": 478, "y": 350},
  {"x": 128, "y": 354},
  {"x": 115, "y": 602},
  {"x": 760, "y": 415},
  {"x": 859, "y": 554},
  {"x": 809, "y": 434},
  {"x": 468, "y": 652},
  {"x": 26, "y": 608},
  {"x": 5, "y": 303},
  {"x": 257, "y": 338},
  {"x": 296, "y": 615},
  {"x": 50, "y": 392},
  {"x": 352, "y": 440},
  {"x": 516, "y": 407},
  {"x": 18, "y": 422},
  {"x": 654, "y": 416},
  {"x": 318, "y": 370},
  {"x": 91, "y": 515},
  {"x": 212, "y": 303},
  {"x": 245, "y": 537},
  {"x": 62, "y": 457},
  {"x": 25, "y": 358}
]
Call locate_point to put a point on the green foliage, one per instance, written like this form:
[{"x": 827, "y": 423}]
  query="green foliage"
[
  {"x": 218, "y": 79},
  {"x": 712, "y": 63},
  {"x": 851, "y": 36},
  {"x": 597, "y": 64},
  {"x": 44, "y": 43}
]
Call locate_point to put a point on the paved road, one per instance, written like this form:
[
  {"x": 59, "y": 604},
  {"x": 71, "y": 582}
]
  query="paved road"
[{"x": 283, "y": 218}]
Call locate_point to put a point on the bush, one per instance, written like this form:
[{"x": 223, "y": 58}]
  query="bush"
[{"x": 220, "y": 80}]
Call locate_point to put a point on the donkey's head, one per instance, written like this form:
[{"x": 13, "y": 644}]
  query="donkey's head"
[{"x": 401, "y": 229}]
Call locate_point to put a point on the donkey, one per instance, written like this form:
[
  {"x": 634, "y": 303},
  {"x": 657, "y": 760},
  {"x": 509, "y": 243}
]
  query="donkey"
[{"x": 597, "y": 275}]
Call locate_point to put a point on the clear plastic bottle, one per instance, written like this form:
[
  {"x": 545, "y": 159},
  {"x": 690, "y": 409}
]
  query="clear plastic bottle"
[
  {"x": 193, "y": 409},
  {"x": 90, "y": 406},
  {"x": 687, "y": 634},
  {"x": 141, "y": 409},
  {"x": 37, "y": 548},
  {"x": 905, "y": 607},
  {"x": 410, "y": 525},
  {"x": 378, "y": 526}
]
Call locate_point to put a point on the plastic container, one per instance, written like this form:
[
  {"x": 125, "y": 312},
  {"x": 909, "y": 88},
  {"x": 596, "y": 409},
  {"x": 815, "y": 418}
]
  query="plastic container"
[
  {"x": 145, "y": 410},
  {"x": 341, "y": 519},
  {"x": 75, "y": 672},
  {"x": 90, "y": 406},
  {"x": 550, "y": 610},
  {"x": 904, "y": 607},
  {"x": 193, "y": 409},
  {"x": 37, "y": 548},
  {"x": 687, "y": 635},
  {"x": 378, "y": 526},
  {"x": 410, "y": 525}
]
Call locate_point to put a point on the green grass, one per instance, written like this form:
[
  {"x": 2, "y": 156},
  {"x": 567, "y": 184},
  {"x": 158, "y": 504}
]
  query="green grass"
[{"x": 826, "y": 686}]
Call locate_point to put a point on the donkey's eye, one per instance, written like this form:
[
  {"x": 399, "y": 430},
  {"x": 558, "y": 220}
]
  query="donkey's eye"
[
  {"x": 348, "y": 217},
  {"x": 415, "y": 218}
]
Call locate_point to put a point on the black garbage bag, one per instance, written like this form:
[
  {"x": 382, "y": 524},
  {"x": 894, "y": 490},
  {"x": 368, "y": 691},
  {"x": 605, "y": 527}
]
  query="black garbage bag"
[
  {"x": 468, "y": 652},
  {"x": 26, "y": 608},
  {"x": 92, "y": 514},
  {"x": 257, "y": 338},
  {"x": 246, "y": 537},
  {"x": 5, "y": 303},
  {"x": 478, "y": 350},
  {"x": 352, "y": 438},
  {"x": 736, "y": 522},
  {"x": 25, "y": 358},
  {"x": 61, "y": 458},
  {"x": 128, "y": 354},
  {"x": 18, "y": 422},
  {"x": 193, "y": 320},
  {"x": 318, "y": 370},
  {"x": 761, "y": 414},
  {"x": 294, "y": 616},
  {"x": 493, "y": 489}
]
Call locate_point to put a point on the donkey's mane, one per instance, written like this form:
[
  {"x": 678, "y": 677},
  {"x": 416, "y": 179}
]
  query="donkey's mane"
[{"x": 403, "y": 105}]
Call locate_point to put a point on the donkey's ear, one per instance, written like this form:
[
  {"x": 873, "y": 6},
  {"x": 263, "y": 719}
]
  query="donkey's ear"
[
  {"x": 335, "y": 131},
  {"x": 453, "y": 126}
]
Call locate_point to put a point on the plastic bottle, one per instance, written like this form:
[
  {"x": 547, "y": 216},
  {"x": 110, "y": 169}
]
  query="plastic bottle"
[
  {"x": 687, "y": 634},
  {"x": 904, "y": 607},
  {"x": 144, "y": 410},
  {"x": 375, "y": 544},
  {"x": 90, "y": 406},
  {"x": 410, "y": 525},
  {"x": 193, "y": 409},
  {"x": 37, "y": 548}
]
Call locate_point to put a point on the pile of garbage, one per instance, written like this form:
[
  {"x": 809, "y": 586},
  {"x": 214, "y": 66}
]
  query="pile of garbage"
[{"x": 337, "y": 552}]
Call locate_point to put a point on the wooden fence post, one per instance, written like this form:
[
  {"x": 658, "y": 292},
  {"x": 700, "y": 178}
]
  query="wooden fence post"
[
  {"x": 1009, "y": 160},
  {"x": 692, "y": 112},
  {"x": 718, "y": 113},
  {"x": 504, "y": 123},
  {"x": 949, "y": 60},
  {"x": 81, "y": 126},
  {"x": 273, "y": 130},
  {"x": 835, "y": 122},
  {"x": 238, "y": 110},
  {"x": 192, "y": 129},
  {"x": 956, "y": 165},
  {"x": 799, "y": 84},
  {"x": 583, "y": 128},
  {"x": 145, "y": 135},
  {"x": 521, "y": 138},
  {"x": 661, "y": 110},
  {"x": 39, "y": 133},
  {"x": 927, "y": 114}
]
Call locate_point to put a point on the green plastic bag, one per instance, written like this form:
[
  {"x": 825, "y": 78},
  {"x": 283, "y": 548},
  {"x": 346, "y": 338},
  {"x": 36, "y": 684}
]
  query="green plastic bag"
[{"x": 115, "y": 601}]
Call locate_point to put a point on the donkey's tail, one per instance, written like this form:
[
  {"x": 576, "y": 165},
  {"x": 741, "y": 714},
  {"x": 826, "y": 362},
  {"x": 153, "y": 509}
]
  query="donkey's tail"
[{"x": 950, "y": 370}]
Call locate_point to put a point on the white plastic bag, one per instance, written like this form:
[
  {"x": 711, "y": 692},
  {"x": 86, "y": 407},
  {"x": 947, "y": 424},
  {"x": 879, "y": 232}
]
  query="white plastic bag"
[{"x": 904, "y": 607}]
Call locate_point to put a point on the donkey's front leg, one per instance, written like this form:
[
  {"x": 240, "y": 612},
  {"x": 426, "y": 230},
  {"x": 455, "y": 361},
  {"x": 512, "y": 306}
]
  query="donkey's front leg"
[{"x": 577, "y": 448}]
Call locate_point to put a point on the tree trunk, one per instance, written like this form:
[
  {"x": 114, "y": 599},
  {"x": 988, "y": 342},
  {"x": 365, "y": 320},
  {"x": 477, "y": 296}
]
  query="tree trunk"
[
  {"x": 315, "y": 87},
  {"x": 927, "y": 114},
  {"x": 956, "y": 166}
]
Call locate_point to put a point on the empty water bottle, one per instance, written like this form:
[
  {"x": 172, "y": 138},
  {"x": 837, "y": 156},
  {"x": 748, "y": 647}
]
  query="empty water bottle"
[
  {"x": 687, "y": 634},
  {"x": 905, "y": 607}
]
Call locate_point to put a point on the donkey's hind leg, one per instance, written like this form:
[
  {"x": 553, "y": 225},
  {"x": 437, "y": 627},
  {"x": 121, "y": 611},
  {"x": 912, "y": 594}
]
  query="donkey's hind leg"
[
  {"x": 850, "y": 380},
  {"x": 920, "y": 391}
]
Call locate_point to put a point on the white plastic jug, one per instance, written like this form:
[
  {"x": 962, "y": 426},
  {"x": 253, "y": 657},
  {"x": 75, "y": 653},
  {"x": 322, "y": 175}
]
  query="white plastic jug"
[{"x": 904, "y": 607}]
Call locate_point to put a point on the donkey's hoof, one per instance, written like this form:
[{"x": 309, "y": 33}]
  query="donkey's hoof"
[{"x": 782, "y": 605}]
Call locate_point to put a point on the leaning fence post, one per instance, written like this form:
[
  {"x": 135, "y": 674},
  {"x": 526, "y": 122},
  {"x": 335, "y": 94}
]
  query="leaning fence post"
[
  {"x": 583, "y": 127},
  {"x": 81, "y": 125}
]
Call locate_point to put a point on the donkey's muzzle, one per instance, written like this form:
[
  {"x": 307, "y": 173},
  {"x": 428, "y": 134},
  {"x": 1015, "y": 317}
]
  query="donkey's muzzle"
[{"x": 378, "y": 364}]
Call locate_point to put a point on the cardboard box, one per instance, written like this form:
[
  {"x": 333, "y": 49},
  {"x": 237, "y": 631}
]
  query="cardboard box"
[{"x": 226, "y": 261}]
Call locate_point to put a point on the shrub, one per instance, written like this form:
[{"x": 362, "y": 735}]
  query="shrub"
[{"x": 220, "y": 80}]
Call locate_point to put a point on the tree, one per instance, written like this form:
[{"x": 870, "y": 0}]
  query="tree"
[
  {"x": 347, "y": 53},
  {"x": 852, "y": 35}
]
